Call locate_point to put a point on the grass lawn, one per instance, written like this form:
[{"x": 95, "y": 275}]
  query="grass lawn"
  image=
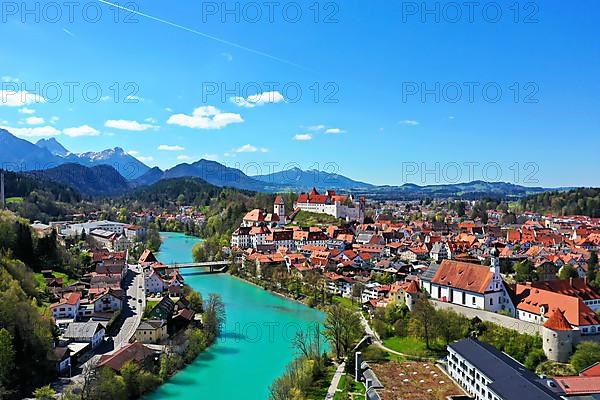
[
  {"x": 318, "y": 391},
  {"x": 42, "y": 282},
  {"x": 355, "y": 387},
  {"x": 306, "y": 219},
  {"x": 14, "y": 200},
  {"x": 346, "y": 302},
  {"x": 413, "y": 346}
]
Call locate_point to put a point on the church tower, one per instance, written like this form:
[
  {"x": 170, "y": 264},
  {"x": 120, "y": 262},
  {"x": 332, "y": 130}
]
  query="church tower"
[{"x": 279, "y": 209}]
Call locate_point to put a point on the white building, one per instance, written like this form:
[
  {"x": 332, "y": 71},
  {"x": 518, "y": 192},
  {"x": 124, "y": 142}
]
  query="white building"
[
  {"x": 469, "y": 285},
  {"x": 338, "y": 206},
  {"x": 488, "y": 374}
]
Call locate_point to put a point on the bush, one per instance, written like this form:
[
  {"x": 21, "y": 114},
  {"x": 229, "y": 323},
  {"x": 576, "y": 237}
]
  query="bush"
[{"x": 587, "y": 353}]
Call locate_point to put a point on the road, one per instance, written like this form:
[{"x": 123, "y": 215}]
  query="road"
[
  {"x": 133, "y": 309},
  {"x": 132, "y": 312},
  {"x": 335, "y": 381}
]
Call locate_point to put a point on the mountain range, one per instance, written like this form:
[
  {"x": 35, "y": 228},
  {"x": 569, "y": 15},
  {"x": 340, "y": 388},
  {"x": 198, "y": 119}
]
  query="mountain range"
[
  {"x": 113, "y": 172},
  {"x": 21, "y": 155}
]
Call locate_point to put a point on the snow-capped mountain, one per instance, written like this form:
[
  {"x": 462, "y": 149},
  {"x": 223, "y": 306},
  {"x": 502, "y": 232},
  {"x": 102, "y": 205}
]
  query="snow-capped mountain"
[{"x": 53, "y": 146}]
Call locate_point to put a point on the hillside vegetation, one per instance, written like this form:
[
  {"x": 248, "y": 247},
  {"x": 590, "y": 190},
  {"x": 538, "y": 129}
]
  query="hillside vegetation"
[{"x": 583, "y": 201}]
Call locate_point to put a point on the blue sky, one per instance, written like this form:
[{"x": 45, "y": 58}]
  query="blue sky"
[{"x": 379, "y": 85}]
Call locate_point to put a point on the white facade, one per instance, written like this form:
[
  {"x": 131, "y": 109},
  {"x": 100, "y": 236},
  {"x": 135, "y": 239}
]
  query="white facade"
[{"x": 469, "y": 377}]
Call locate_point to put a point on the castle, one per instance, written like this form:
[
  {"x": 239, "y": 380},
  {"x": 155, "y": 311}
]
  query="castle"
[{"x": 330, "y": 203}]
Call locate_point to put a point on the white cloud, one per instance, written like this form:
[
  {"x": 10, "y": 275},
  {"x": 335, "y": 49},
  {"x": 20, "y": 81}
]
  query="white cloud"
[
  {"x": 205, "y": 117},
  {"x": 409, "y": 122},
  {"x": 258, "y": 99},
  {"x": 247, "y": 148},
  {"x": 40, "y": 131},
  {"x": 451, "y": 117},
  {"x": 133, "y": 152},
  {"x": 145, "y": 159},
  {"x": 303, "y": 137},
  {"x": 335, "y": 130},
  {"x": 13, "y": 98},
  {"x": 166, "y": 147},
  {"x": 229, "y": 154},
  {"x": 8, "y": 78},
  {"x": 105, "y": 98},
  {"x": 227, "y": 56},
  {"x": 127, "y": 125},
  {"x": 168, "y": 109},
  {"x": 184, "y": 158},
  {"x": 54, "y": 120},
  {"x": 34, "y": 121},
  {"x": 315, "y": 128},
  {"x": 27, "y": 111},
  {"x": 84, "y": 130},
  {"x": 151, "y": 120},
  {"x": 134, "y": 99},
  {"x": 264, "y": 150}
]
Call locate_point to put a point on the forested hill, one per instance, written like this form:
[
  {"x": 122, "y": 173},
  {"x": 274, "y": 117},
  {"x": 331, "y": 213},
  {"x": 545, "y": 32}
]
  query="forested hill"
[
  {"x": 37, "y": 197},
  {"x": 582, "y": 201},
  {"x": 223, "y": 207}
]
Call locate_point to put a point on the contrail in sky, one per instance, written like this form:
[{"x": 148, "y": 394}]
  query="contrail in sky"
[{"x": 260, "y": 53}]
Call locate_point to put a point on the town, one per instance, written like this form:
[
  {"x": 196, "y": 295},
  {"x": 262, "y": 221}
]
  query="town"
[{"x": 531, "y": 273}]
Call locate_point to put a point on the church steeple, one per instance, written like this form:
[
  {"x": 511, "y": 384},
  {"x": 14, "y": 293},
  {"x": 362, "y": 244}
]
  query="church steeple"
[{"x": 279, "y": 209}]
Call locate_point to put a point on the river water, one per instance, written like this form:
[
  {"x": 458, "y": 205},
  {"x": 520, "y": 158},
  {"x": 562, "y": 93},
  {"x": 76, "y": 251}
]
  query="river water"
[{"x": 255, "y": 346}]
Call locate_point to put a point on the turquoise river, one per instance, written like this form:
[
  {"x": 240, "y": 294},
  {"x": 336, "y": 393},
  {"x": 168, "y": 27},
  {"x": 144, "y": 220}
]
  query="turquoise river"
[{"x": 255, "y": 346}]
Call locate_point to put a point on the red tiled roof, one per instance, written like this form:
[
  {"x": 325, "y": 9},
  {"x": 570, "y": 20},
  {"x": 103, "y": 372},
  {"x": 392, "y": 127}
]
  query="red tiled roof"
[
  {"x": 130, "y": 352},
  {"x": 578, "y": 385},
  {"x": 558, "y": 322},
  {"x": 461, "y": 275},
  {"x": 593, "y": 370}
]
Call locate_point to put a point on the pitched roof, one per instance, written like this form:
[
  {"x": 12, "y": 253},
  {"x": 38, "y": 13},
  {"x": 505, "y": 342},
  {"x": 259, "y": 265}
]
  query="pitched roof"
[
  {"x": 466, "y": 276},
  {"x": 510, "y": 379},
  {"x": 579, "y": 385},
  {"x": 558, "y": 322},
  {"x": 147, "y": 257},
  {"x": 82, "y": 330},
  {"x": 531, "y": 299},
  {"x": 593, "y": 370},
  {"x": 130, "y": 352}
]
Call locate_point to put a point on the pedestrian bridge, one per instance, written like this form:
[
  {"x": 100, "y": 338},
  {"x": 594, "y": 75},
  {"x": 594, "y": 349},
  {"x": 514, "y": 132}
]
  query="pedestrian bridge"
[{"x": 211, "y": 266}]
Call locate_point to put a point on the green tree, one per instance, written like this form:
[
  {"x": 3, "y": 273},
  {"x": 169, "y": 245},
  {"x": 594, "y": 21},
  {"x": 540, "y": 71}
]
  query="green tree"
[
  {"x": 214, "y": 316},
  {"x": 7, "y": 356},
  {"x": 342, "y": 328},
  {"x": 567, "y": 271},
  {"x": 525, "y": 272},
  {"x": 44, "y": 393},
  {"x": 587, "y": 353},
  {"x": 592, "y": 267},
  {"x": 423, "y": 321},
  {"x": 196, "y": 302},
  {"x": 452, "y": 326},
  {"x": 153, "y": 238}
]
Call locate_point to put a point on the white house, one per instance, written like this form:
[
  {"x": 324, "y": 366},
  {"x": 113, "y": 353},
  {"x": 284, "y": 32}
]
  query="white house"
[
  {"x": 469, "y": 285},
  {"x": 86, "y": 332},
  {"x": 67, "y": 307}
]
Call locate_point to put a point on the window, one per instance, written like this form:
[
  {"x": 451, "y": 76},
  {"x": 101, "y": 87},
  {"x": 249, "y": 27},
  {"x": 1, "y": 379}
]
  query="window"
[{"x": 474, "y": 300}]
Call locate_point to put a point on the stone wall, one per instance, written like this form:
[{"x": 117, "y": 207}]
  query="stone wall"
[{"x": 498, "y": 319}]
